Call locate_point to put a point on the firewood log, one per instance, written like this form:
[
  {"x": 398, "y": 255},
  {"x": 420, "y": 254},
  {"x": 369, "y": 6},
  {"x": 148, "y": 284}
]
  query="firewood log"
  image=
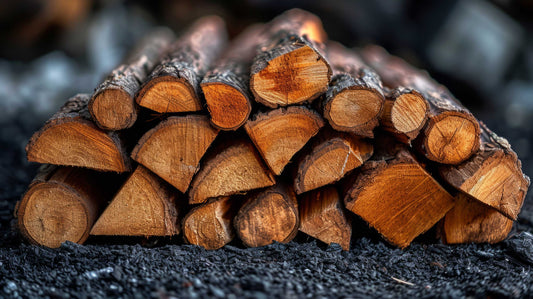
[
  {"x": 471, "y": 221},
  {"x": 174, "y": 147},
  {"x": 290, "y": 67},
  {"x": 396, "y": 196},
  {"x": 71, "y": 138},
  {"x": 268, "y": 216},
  {"x": 493, "y": 175},
  {"x": 210, "y": 225},
  {"x": 232, "y": 169},
  {"x": 145, "y": 205},
  {"x": 451, "y": 134},
  {"x": 329, "y": 158},
  {"x": 112, "y": 105},
  {"x": 281, "y": 133},
  {"x": 354, "y": 100},
  {"x": 62, "y": 203},
  {"x": 226, "y": 85},
  {"x": 173, "y": 86},
  {"x": 322, "y": 216}
]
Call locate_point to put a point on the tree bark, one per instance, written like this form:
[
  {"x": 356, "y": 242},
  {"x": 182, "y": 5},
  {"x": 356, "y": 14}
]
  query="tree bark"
[{"x": 71, "y": 138}]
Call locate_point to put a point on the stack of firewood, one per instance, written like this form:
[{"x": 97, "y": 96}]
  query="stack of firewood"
[{"x": 278, "y": 131}]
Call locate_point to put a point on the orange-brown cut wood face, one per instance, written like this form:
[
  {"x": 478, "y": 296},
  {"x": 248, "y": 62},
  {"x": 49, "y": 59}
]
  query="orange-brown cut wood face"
[
  {"x": 228, "y": 107},
  {"x": 168, "y": 94},
  {"x": 114, "y": 108},
  {"x": 354, "y": 107},
  {"x": 408, "y": 112}
]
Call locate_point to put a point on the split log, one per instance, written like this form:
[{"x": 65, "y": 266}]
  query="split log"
[
  {"x": 144, "y": 206},
  {"x": 62, "y": 203},
  {"x": 451, "y": 134},
  {"x": 173, "y": 86},
  {"x": 322, "y": 216},
  {"x": 112, "y": 105},
  {"x": 174, "y": 147},
  {"x": 404, "y": 114},
  {"x": 329, "y": 158},
  {"x": 281, "y": 133},
  {"x": 290, "y": 67},
  {"x": 354, "y": 100},
  {"x": 471, "y": 221},
  {"x": 396, "y": 196},
  {"x": 210, "y": 225},
  {"x": 493, "y": 175},
  {"x": 226, "y": 85},
  {"x": 270, "y": 215},
  {"x": 235, "y": 168},
  {"x": 71, "y": 138}
]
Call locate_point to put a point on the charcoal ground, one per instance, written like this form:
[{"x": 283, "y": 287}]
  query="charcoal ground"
[{"x": 303, "y": 268}]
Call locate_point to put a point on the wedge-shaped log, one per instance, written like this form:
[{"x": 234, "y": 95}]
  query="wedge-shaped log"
[
  {"x": 451, "y": 134},
  {"x": 173, "y": 85},
  {"x": 210, "y": 225},
  {"x": 322, "y": 216},
  {"x": 268, "y": 216},
  {"x": 290, "y": 67},
  {"x": 112, "y": 105},
  {"x": 144, "y": 206},
  {"x": 493, "y": 175},
  {"x": 354, "y": 100},
  {"x": 281, "y": 133},
  {"x": 71, "y": 138},
  {"x": 329, "y": 158},
  {"x": 62, "y": 203},
  {"x": 473, "y": 222},
  {"x": 174, "y": 147},
  {"x": 235, "y": 168},
  {"x": 226, "y": 85},
  {"x": 397, "y": 197},
  {"x": 404, "y": 114}
]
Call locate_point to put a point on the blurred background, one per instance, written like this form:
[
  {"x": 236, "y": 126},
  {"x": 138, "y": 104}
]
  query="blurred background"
[{"x": 52, "y": 49}]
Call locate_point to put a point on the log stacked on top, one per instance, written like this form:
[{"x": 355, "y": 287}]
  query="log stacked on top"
[{"x": 278, "y": 131}]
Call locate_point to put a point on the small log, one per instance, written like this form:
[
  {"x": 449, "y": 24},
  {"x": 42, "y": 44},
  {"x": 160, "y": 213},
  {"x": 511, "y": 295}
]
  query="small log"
[
  {"x": 290, "y": 67},
  {"x": 71, "y": 138},
  {"x": 62, "y": 203},
  {"x": 271, "y": 215},
  {"x": 322, "y": 216},
  {"x": 174, "y": 147},
  {"x": 404, "y": 114},
  {"x": 281, "y": 133},
  {"x": 329, "y": 158},
  {"x": 226, "y": 85},
  {"x": 354, "y": 100},
  {"x": 451, "y": 134},
  {"x": 210, "y": 225},
  {"x": 396, "y": 196},
  {"x": 112, "y": 104},
  {"x": 235, "y": 168},
  {"x": 144, "y": 206},
  {"x": 493, "y": 175},
  {"x": 471, "y": 221},
  {"x": 173, "y": 86}
]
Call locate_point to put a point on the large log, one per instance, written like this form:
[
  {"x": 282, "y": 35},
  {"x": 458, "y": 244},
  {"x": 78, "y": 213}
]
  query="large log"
[
  {"x": 173, "y": 86},
  {"x": 112, "y": 104},
  {"x": 62, "y": 203},
  {"x": 71, "y": 138},
  {"x": 281, "y": 133},
  {"x": 290, "y": 67},
  {"x": 145, "y": 205},
  {"x": 268, "y": 216},
  {"x": 322, "y": 216},
  {"x": 174, "y": 147},
  {"x": 396, "y": 196},
  {"x": 451, "y": 134},
  {"x": 493, "y": 175},
  {"x": 354, "y": 100},
  {"x": 226, "y": 85}
]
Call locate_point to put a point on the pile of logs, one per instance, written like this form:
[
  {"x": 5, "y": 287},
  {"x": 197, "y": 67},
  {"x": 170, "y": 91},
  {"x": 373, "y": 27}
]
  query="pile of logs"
[{"x": 277, "y": 132}]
